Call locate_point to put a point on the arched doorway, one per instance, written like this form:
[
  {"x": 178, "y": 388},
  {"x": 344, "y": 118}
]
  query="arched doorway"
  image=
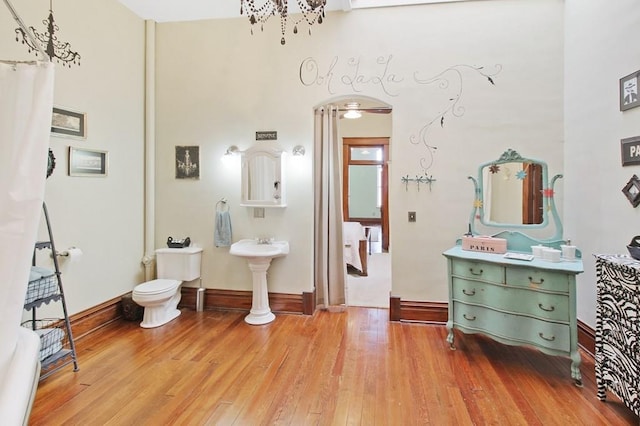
[{"x": 336, "y": 119}]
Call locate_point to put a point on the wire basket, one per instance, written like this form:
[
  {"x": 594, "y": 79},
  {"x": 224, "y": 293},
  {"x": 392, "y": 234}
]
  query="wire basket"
[
  {"x": 45, "y": 286},
  {"x": 52, "y": 333}
]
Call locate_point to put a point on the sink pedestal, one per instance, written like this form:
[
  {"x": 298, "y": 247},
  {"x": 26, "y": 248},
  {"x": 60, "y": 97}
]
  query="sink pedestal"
[
  {"x": 260, "y": 311},
  {"x": 259, "y": 258}
]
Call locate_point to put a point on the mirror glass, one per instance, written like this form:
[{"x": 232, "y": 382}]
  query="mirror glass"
[
  {"x": 512, "y": 193},
  {"x": 262, "y": 178}
]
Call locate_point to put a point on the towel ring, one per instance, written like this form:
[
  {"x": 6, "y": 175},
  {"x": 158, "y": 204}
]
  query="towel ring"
[{"x": 221, "y": 205}]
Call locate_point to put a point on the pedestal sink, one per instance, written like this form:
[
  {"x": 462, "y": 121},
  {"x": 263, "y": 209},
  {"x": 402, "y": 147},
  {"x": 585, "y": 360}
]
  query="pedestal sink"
[{"x": 259, "y": 257}]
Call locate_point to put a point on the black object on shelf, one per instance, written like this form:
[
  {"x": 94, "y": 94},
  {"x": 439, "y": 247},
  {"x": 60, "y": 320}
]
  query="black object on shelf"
[
  {"x": 185, "y": 242},
  {"x": 634, "y": 247}
]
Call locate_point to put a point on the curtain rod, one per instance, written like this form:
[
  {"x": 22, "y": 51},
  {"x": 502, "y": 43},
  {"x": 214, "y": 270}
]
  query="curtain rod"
[{"x": 27, "y": 32}]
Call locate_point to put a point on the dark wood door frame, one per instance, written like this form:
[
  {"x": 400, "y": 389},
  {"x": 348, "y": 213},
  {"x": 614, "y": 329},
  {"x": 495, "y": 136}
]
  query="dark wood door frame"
[{"x": 373, "y": 142}]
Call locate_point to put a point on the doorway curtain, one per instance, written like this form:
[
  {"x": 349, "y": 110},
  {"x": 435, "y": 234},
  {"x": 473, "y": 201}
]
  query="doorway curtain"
[
  {"x": 330, "y": 267},
  {"x": 26, "y": 102}
]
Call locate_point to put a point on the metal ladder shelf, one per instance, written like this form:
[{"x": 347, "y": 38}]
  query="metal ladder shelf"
[{"x": 57, "y": 345}]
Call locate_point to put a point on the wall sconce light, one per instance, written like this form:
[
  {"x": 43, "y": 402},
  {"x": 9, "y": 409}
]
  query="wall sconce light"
[
  {"x": 232, "y": 150},
  {"x": 298, "y": 150}
]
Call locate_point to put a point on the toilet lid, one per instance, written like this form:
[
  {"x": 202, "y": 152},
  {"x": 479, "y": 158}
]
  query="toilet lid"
[{"x": 156, "y": 286}]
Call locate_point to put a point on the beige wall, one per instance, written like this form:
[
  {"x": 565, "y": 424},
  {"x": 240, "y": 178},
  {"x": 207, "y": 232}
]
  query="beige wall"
[
  {"x": 601, "y": 47},
  {"x": 217, "y": 85},
  {"x": 101, "y": 216}
]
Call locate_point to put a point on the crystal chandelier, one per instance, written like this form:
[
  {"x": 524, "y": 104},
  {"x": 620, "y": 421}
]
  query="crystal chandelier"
[
  {"x": 56, "y": 49},
  {"x": 312, "y": 12}
]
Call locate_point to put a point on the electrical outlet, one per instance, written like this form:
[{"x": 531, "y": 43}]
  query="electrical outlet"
[
  {"x": 412, "y": 216},
  {"x": 258, "y": 212}
]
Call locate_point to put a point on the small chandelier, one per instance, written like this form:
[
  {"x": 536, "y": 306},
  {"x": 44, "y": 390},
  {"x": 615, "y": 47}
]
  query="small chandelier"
[
  {"x": 312, "y": 12},
  {"x": 53, "y": 47}
]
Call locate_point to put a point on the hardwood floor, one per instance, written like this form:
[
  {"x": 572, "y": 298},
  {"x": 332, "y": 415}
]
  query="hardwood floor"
[{"x": 354, "y": 367}]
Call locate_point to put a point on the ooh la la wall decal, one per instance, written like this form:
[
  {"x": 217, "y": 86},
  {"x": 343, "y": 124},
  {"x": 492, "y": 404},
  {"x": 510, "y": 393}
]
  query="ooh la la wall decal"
[{"x": 357, "y": 75}]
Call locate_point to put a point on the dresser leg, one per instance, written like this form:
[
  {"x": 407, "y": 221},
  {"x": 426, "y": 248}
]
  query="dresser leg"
[
  {"x": 575, "y": 368},
  {"x": 600, "y": 384},
  {"x": 450, "y": 336}
]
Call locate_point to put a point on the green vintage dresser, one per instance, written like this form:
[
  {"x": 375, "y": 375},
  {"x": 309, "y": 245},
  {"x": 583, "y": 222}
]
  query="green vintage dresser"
[{"x": 515, "y": 302}]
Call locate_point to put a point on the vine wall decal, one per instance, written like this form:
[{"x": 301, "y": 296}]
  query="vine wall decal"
[
  {"x": 454, "y": 108},
  {"x": 358, "y": 75}
]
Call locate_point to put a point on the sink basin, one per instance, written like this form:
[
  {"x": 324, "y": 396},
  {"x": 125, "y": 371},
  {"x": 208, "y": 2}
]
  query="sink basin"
[{"x": 251, "y": 248}]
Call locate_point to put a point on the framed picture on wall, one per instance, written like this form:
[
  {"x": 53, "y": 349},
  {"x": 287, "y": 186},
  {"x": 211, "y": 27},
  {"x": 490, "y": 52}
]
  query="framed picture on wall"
[
  {"x": 632, "y": 191},
  {"x": 67, "y": 123},
  {"x": 88, "y": 162},
  {"x": 187, "y": 162},
  {"x": 629, "y": 91}
]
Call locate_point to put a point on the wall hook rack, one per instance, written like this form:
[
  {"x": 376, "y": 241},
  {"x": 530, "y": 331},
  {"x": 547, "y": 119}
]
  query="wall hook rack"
[{"x": 418, "y": 180}]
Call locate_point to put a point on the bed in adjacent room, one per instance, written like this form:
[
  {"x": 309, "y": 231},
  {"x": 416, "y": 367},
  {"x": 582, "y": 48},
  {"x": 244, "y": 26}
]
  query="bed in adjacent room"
[{"x": 355, "y": 246}]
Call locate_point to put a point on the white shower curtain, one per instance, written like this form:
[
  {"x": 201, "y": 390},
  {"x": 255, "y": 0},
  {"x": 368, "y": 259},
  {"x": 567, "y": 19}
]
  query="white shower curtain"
[
  {"x": 26, "y": 101},
  {"x": 330, "y": 267}
]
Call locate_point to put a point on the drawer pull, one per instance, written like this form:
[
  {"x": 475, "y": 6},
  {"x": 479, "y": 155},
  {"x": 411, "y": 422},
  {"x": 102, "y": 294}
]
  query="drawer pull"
[
  {"x": 474, "y": 272},
  {"x": 551, "y": 309},
  {"x": 471, "y": 293},
  {"x": 536, "y": 282},
  {"x": 548, "y": 339},
  {"x": 469, "y": 318}
]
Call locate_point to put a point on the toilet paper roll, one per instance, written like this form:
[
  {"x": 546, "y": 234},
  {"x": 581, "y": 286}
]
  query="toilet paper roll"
[
  {"x": 568, "y": 252},
  {"x": 74, "y": 253}
]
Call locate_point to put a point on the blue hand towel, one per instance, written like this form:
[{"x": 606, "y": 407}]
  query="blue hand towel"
[{"x": 222, "y": 234}]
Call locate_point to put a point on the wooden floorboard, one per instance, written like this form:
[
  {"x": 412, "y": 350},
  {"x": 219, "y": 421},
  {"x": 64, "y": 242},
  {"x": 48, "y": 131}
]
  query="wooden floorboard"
[{"x": 342, "y": 368}]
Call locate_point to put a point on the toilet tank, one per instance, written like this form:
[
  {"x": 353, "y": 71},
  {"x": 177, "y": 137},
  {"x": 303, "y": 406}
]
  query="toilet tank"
[{"x": 179, "y": 263}]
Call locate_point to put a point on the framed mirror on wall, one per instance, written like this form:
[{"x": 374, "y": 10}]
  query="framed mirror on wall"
[{"x": 263, "y": 181}]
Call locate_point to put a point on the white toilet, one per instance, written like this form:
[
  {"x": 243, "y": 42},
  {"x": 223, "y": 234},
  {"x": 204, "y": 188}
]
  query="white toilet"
[{"x": 160, "y": 297}]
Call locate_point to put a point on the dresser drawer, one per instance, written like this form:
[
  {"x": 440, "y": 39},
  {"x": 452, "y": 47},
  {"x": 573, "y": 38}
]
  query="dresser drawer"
[
  {"x": 478, "y": 270},
  {"x": 549, "y": 306},
  {"x": 538, "y": 279},
  {"x": 516, "y": 329},
  {"x": 616, "y": 335}
]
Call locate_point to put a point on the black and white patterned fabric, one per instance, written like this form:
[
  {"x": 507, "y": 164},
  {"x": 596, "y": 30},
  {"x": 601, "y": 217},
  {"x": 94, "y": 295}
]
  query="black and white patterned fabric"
[{"x": 617, "y": 328}]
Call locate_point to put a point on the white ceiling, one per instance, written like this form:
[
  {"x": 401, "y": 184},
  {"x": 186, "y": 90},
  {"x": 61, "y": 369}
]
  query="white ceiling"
[{"x": 191, "y": 10}]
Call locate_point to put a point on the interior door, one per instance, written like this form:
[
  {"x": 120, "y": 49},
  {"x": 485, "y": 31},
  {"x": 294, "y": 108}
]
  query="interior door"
[{"x": 365, "y": 183}]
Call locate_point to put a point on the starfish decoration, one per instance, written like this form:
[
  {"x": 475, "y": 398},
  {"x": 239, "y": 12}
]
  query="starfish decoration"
[
  {"x": 547, "y": 192},
  {"x": 521, "y": 174},
  {"x": 494, "y": 168},
  {"x": 477, "y": 204}
]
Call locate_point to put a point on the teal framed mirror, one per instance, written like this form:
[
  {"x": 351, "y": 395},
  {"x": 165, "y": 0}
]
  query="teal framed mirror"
[{"x": 514, "y": 192}]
